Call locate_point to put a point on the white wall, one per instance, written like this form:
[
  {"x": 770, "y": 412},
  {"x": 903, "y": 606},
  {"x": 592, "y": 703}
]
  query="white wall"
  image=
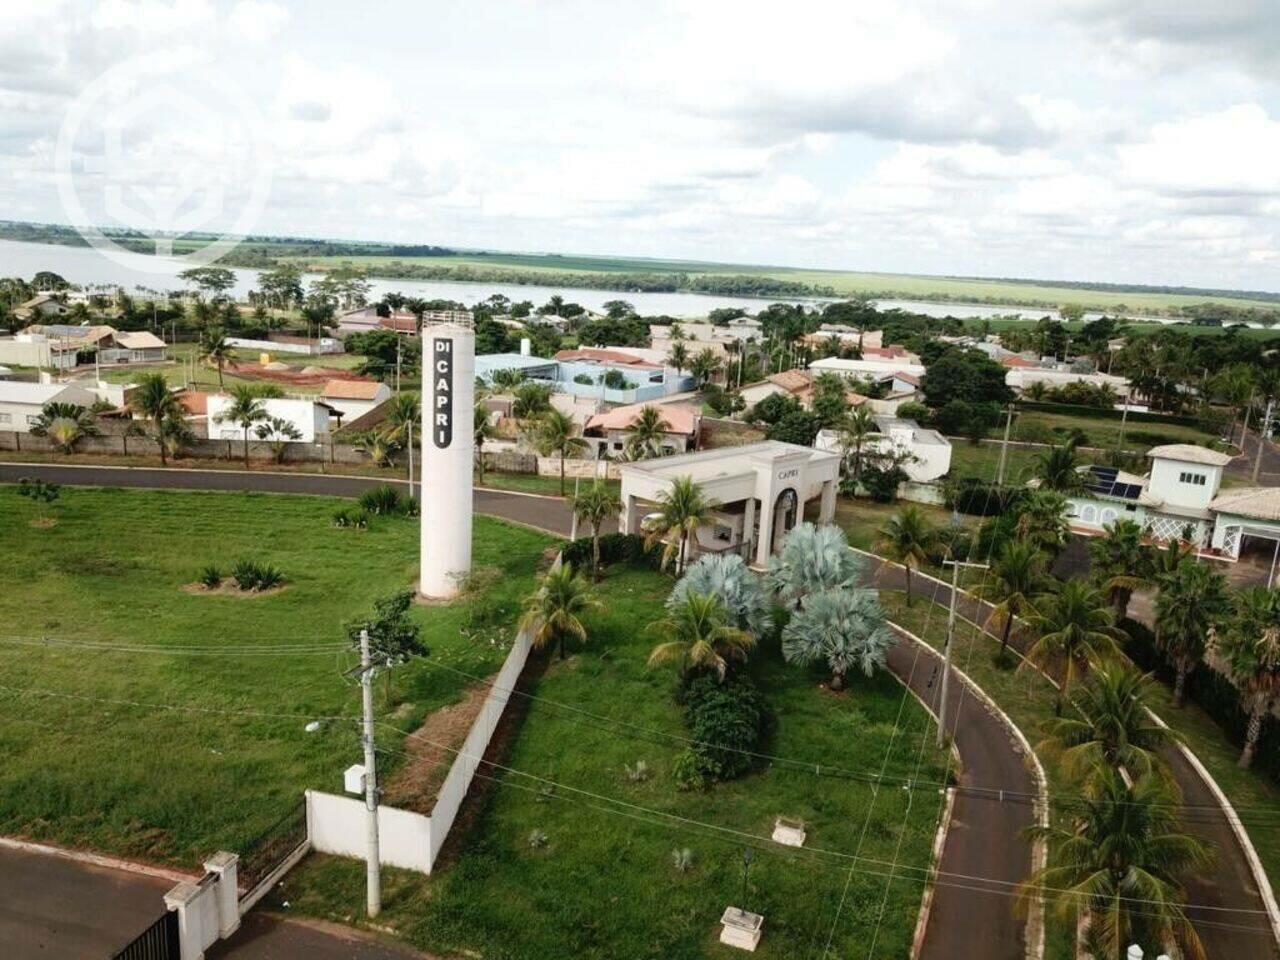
[
  {"x": 311, "y": 419},
  {"x": 1168, "y": 483},
  {"x": 337, "y": 824}
]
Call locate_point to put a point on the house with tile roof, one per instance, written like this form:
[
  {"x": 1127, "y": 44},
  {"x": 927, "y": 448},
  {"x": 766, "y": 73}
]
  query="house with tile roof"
[{"x": 609, "y": 431}]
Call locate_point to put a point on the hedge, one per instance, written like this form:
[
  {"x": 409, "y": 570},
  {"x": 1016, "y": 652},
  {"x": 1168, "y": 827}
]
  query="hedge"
[
  {"x": 628, "y": 548},
  {"x": 1213, "y": 692},
  {"x": 1101, "y": 413},
  {"x": 978, "y": 498}
]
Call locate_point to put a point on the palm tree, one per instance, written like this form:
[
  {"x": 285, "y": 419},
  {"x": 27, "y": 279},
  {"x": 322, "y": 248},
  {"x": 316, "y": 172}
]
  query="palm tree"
[
  {"x": 554, "y": 434},
  {"x": 1015, "y": 581},
  {"x": 1109, "y": 728},
  {"x": 1192, "y": 602},
  {"x": 644, "y": 437},
  {"x": 813, "y": 559},
  {"x": 65, "y": 424},
  {"x": 727, "y": 577},
  {"x": 594, "y": 507},
  {"x": 678, "y": 356},
  {"x": 1075, "y": 632},
  {"x": 683, "y": 509},
  {"x": 154, "y": 400},
  {"x": 1042, "y": 520},
  {"x": 1121, "y": 859},
  {"x": 215, "y": 349},
  {"x": 905, "y": 538},
  {"x": 554, "y": 611},
  {"x": 700, "y": 636},
  {"x": 483, "y": 430},
  {"x": 1235, "y": 387},
  {"x": 704, "y": 366},
  {"x": 246, "y": 409},
  {"x": 278, "y": 432},
  {"x": 403, "y": 421},
  {"x": 1120, "y": 563},
  {"x": 1056, "y": 468},
  {"x": 1250, "y": 648},
  {"x": 379, "y": 445},
  {"x": 854, "y": 429},
  {"x": 845, "y": 628}
]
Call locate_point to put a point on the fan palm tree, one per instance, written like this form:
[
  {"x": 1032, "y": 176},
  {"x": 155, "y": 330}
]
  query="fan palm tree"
[
  {"x": 1120, "y": 563},
  {"x": 1192, "y": 602},
  {"x": 727, "y": 576},
  {"x": 594, "y": 507},
  {"x": 644, "y": 437},
  {"x": 1122, "y": 859},
  {"x": 1015, "y": 581},
  {"x": 215, "y": 349},
  {"x": 554, "y": 434},
  {"x": 483, "y": 430},
  {"x": 854, "y": 429},
  {"x": 700, "y": 636},
  {"x": 683, "y": 509},
  {"x": 1056, "y": 468},
  {"x": 154, "y": 400},
  {"x": 554, "y": 611},
  {"x": 1074, "y": 632},
  {"x": 65, "y": 424},
  {"x": 379, "y": 445},
  {"x": 278, "y": 432},
  {"x": 246, "y": 409},
  {"x": 705, "y": 366},
  {"x": 1250, "y": 648},
  {"x": 1109, "y": 728},
  {"x": 905, "y": 538},
  {"x": 813, "y": 559},
  {"x": 845, "y": 628}
]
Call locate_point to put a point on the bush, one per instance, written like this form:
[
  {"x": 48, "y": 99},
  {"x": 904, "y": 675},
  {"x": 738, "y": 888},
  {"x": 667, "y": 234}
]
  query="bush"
[
  {"x": 687, "y": 771},
  {"x": 351, "y": 519},
  {"x": 210, "y": 577},
  {"x": 625, "y": 548},
  {"x": 773, "y": 408},
  {"x": 727, "y": 722},
  {"x": 382, "y": 501},
  {"x": 977, "y": 498},
  {"x": 799, "y": 427},
  {"x": 915, "y": 411},
  {"x": 252, "y": 575}
]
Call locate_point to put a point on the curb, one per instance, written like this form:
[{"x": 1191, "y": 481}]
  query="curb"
[
  {"x": 926, "y": 901},
  {"x": 97, "y": 860}
]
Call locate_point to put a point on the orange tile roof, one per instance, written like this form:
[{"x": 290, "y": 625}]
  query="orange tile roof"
[
  {"x": 351, "y": 389},
  {"x": 679, "y": 419},
  {"x": 605, "y": 356}
]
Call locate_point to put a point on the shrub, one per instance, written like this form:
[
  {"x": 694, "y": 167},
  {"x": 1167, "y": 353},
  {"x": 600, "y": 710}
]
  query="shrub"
[
  {"x": 682, "y": 859},
  {"x": 382, "y": 501},
  {"x": 687, "y": 771},
  {"x": 915, "y": 411},
  {"x": 252, "y": 575},
  {"x": 628, "y": 548},
  {"x": 799, "y": 427},
  {"x": 351, "y": 519},
  {"x": 210, "y": 577},
  {"x": 977, "y": 498},
  {"x": 639, "y": 773},
  {"x": 727, "y": 721},
  {"x": 537, "y": 839},
  {"x": 269, "y": 576}
]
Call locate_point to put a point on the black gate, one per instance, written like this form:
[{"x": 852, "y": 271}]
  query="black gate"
[{"x": 158, "y": 942}]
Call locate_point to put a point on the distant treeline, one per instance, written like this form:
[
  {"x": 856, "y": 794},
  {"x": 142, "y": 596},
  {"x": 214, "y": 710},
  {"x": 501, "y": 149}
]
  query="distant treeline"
[{"x": 1261, "y": 295}]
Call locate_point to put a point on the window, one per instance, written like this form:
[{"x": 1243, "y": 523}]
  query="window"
[
  {"x": 6, "y": 418},
  {"x": 723, "y": 533},
  {"x": 1089, "y": 514},
  {"x": 32, "y": 418},
  {"x": 1196, "y": 479}
]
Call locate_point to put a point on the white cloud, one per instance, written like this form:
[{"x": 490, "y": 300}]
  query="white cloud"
[{"x": 258, "y": 21}]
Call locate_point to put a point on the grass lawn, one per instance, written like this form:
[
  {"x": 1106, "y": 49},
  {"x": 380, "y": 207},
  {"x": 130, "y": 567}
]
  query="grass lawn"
[
  {"x": 532, "y": 483},
  {"x": 1034, "y": 426},
  {"x": 604, "y": 885},
  {"x": 862, "y": 519},
  {"x": 175, "y": 786},
  {"x": 982, "y": 460},
  {"x": 205, "y": 377}
]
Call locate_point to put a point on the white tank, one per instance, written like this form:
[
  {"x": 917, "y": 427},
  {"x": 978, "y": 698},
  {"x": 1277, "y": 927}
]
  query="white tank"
[{"x": 448, "y": 450}]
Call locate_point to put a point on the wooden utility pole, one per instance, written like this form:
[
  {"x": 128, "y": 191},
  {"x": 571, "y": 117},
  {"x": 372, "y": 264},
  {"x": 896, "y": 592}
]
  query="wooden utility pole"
[{"x": 955, "y": 566}]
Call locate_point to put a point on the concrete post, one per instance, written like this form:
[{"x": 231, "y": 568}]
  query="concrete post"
[
  {"x": 765, "y": 544},
  {"x": 827, "y": 507},
  {"x": 225, "y": 866},
  {"x": 182, "y": 898},
  {"x": 748, "y": 526}
]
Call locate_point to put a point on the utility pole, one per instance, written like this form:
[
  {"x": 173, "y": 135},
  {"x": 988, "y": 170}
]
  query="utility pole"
[
  {"x": 372, "y": 862},
  {"x": 1124, "y": 418},
  {"x": 1263, "y": 434},
  {"x": 573, "y": 530},
  {"x": 955, "y": 566},
  {"x": 409, "y": 428},
  {"x": 1004, "y": 446},
  {"x": 398, "y": 344}
]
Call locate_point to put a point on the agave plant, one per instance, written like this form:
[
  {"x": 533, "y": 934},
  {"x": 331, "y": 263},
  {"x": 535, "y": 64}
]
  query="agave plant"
[
  {"x": 727, "y": 577},
  {"x": 813, "y": 559}
]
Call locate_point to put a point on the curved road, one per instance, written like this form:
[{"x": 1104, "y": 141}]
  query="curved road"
[{"x": 972, "y": 848}]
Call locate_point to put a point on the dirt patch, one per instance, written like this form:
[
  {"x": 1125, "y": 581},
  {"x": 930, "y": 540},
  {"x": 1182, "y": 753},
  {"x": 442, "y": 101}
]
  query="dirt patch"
[
  {"x": 228, "y": 588},
  {"x": 288, "y": 374},
  {"x": 416, "y": 783},
  {"x": 44, "y": 523}
]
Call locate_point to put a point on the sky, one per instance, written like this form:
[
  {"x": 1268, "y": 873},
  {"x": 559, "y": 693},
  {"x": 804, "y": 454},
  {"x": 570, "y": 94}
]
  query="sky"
[{"x": 1129, "y": 141}]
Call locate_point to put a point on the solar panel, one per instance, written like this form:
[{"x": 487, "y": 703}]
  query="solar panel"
[{"x": 1104, "y": 481}]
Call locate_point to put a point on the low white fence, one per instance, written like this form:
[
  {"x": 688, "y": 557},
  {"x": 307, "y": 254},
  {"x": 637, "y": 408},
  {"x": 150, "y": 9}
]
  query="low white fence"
[{"x": 336, "y": 824}]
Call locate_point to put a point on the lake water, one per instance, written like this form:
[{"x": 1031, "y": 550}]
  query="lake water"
[{"x": 86, "y": 266}]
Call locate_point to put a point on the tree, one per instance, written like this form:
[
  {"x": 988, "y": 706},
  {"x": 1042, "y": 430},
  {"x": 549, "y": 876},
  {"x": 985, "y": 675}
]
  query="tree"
[
  {"x": 968, "y": 375},
  {"x": 813, "y": 559},
  {"x": 905, "y": 538},
  {"x": 215, "y": 349},
  {"x": 394, "y": 636},
  {"x": 1056, "y": 468},
  {"x": 154, "y": 400},
  {"x": 404, "y": 419},
  {"x": 65, "y": 424},
  {"x": 483, "y": 431},
  {"x": 700, "y": 636},
  {"x": 530, "y": 400},
  {"x": 1040, "y": 517},
  {"x": 1120, "y": 563},
  {"x": 705, "y": 366},
  {"x": 1121, "y": 858},
  {"x": 554, "y": 611},
  {"x": 1109, "y": 728},
  {"x": 854, "y": 429},
  {"x": 727, "y": 577},
  {"x": 378, "y": 444},
  {"x": 1074, "y": 632},
  {"x": 683, "y": 509},
  {"x": 678, "y": 356},
  {"x": 845, "y": 628},
  {"x": 246, "y": 409},
  {"x": 39, "y": 492},
  {"x": 554, "y": 434},
  {"x": 1192, "y": 602},
  {"x": 799, "y": 427},
  {"x": 1014, "y": 583},
  {"x": 215, "y": 281},
  {"x": 830, "y": 403},
  {"x": 644, "y": 437},
  {"x": 1249, "y": 645},
  {"x": 278, "y": 432},
  {"x": 594, "y": 507}
]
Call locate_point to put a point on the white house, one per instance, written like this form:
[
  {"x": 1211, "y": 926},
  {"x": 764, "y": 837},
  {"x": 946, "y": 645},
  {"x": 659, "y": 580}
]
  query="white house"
[
  {"x": 1020, "y": 378},
  {"x": 608, "y": 431},
  {"x": 927, "y": 451},
  {"x": 874, "y": 367},
  {"x": 762, "y": 489},
  {"x": 309, "y": 417},
  {"x": 355, "y": 398},
  {"x": 21, "y": 402}
]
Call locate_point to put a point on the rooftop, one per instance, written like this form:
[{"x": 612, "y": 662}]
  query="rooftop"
[
  {"x": 1189, "y": 453},
  {"x": 20, "y": 391},
  {"x": 352, "y": 389},
  {"x": 604, "y": 355},
  {"x": 1260, "y": 503},
  {"x": 678, "y": 418},
  {"x": 706, "y": 465}
]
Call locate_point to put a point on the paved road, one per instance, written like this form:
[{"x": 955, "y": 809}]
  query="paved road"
[
  {"x": 52, "y": 908},
  {"x": 1242, "y": 467},
  {"x": 263, "y": 936}
]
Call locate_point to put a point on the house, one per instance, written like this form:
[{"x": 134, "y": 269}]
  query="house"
[
  {"x": 607, "y": 432},
  {"x": 37, "y": 350},
  {"x": 109, "y": 346},
  {"x": 867, "y": 368},
  {"x": 793, "y": 383},
  {"x": 531, "y": 368},
  {"x": 927, "y": 453},
  {"x": 285, "y": 343},
  {"x": 607, "y": 374},
  {"x": 41, "y": 306},
  {"x": 366, "y": 319},
  {"x": 21, "y": 402},
  {"x": 354, "y": 398},
  {"x": 309, "y": 417},
  {"x": 762, "y": 490},
  {"x": 1020, "y": 377}
]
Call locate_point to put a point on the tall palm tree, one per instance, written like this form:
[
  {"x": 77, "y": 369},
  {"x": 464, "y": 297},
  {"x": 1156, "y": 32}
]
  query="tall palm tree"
[
  {"x": 905, "y": 538},
  {"x": 644, "y": 437},
  {"x": 554, "y": 611},
  {"x": 857, "y": 425},
  {"x": 705, "y": 366},
  {"x": 678, "y": 356},
  {"x": 554, "y": 434},
  {"x": 483, "y": 430},
  {"x": 65, "y": 424},
  {"x": 404, "y": 425},
  {"x": 683, "y": 509},
  {"x": 154, "y": 400},
  {"x": 594, "y": 507},
  {"x": 246, "y": 409},
  {"x": 1109, "y": 728},
  {"x": 215, "y": 349},
  {"x": 1122, "y": 859},
  {"x": 1120, "y": 563},
  {"x": 1014, "y": 583},
  {"x": 1250, "y": 648},
  {"x": 1192, "y": 602},
  {"x": 1056, "y": 468},
  {"x": 1041, "y": 518},
  {"x": 845, "y": 628},
  {"x": 700, "y": 636},
  {"x": 1074, "y": 632}
]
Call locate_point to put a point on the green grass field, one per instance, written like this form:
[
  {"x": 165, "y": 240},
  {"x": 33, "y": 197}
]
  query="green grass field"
[
  {"x": 604, "y": 885},
  {"x": 89, "y": 768}
]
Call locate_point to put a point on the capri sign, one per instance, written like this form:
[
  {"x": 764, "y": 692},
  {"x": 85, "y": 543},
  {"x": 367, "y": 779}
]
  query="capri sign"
[{"x": 442, "y": 392}]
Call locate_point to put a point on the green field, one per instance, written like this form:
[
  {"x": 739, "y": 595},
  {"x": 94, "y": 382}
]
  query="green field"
[
  {"x": 604, "y": 885},
  {"x": 103, "y": 765}
]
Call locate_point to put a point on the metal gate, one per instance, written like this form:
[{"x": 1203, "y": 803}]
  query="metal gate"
[{"x": 158, "y": 942}]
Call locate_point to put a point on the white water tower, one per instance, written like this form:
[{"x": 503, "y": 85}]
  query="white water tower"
[{"x": 448, "y": 449}]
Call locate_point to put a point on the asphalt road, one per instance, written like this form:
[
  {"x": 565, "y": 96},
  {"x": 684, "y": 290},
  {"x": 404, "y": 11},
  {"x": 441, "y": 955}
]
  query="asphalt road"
[{"x": 263, "y": 936}]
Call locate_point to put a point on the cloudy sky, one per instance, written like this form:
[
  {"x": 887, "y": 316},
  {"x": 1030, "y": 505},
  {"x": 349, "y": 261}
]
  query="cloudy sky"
[{"x": 1115, "y": 140}]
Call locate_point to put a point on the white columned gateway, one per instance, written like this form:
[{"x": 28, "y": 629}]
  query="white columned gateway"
[{"x": 448, "y": 448}]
